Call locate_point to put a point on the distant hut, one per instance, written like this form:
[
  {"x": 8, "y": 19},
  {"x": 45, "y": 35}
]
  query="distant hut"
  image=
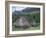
[{"x": 22, "y": 22}]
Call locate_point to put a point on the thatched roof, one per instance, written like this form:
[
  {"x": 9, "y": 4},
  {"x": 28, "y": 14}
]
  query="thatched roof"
[{"x": 22, "y": 21}]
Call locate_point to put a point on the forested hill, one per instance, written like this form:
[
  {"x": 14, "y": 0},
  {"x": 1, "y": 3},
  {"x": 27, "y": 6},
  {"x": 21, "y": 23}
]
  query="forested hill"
[{"x": 26, "y": 10}]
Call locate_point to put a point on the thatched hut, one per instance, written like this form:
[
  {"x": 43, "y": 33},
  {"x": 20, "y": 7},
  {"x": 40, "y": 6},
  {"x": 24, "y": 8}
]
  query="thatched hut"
[{"x": 22, "y": 22}]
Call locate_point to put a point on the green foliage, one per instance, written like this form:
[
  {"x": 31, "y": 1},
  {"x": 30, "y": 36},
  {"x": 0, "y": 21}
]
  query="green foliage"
[{"x": 30, "y": 17}]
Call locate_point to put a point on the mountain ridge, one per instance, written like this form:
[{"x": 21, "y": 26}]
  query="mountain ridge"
[{"x": 26, "y": 10}]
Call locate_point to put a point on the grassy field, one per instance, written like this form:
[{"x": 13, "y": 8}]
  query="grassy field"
[{"x": 30, "y": 28}]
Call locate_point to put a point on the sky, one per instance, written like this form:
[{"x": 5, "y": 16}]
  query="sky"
[{"x": 17, "y": 8}]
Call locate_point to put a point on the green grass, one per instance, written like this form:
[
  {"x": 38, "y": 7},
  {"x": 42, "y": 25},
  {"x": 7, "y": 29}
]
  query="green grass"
[{"x": 27, "y": 29}]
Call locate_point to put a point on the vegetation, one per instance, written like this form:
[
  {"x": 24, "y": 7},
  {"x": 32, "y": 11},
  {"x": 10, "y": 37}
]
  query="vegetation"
[{"x": 34, "y": 20}]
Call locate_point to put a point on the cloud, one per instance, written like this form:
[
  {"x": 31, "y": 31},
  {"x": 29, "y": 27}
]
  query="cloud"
[{"x": 17, "y": 8}]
